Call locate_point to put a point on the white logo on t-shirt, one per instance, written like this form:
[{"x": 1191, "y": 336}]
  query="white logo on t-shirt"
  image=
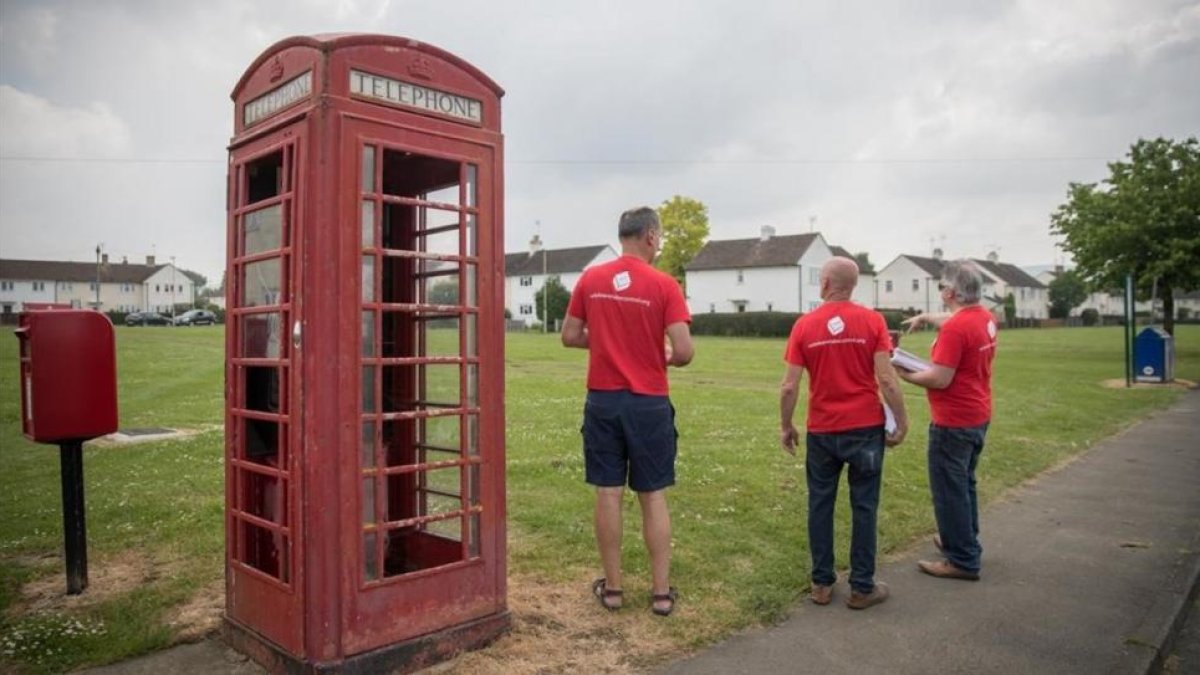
[
  {"x": 836, "y": 325},
  {"x": 992, "y": 329},
  {"x": 621, "y": 281}
]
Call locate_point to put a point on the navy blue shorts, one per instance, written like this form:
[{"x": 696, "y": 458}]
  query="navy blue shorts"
[{"x": 627, "y": 435}]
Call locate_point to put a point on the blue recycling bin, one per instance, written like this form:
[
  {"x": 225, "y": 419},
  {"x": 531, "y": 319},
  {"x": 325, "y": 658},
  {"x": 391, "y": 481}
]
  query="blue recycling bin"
[{"x": 1154, "y": 355}]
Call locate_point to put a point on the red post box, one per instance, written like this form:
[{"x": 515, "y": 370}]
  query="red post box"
[
  {"x": 68, "y": 395},
  {"x": 365, "y": 357},
  {"x": 68, "y": 375}
]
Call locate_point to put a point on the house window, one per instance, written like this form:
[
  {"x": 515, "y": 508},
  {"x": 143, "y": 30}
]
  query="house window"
[
  {"x": 39, "y": 285},
  {"x": 91, "y": 285},
  {"x": 741, "y": 307},
  {"x": 1022, "y": 293},
  {"x": 526, "y": 281},
  {"x": 814, "y": 276},
  {"x": 916, "y": 284},
  {"x": 887, "y": 286},
  {"x": 740, "y": 279},
  {"x": 157, "y": 288},
  {"x": 6, "y": 285},
  {"x": 126, "y": 288},
  {"x": 526, "y": 310}
]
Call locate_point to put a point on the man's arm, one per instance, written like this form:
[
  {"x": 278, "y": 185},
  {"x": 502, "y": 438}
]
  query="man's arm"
[
  {"x": 885, "y": 374},
  {"x": 935, "y": 319},
  {"x": 574, "y": 332},
  {"x": 682, "y": 350},
  {"x": 789, "y": 393},
  {"x": 937, "y": 377}
]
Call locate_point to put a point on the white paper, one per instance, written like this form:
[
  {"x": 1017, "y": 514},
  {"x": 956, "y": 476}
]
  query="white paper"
[
  {"x": 889, "y": 419},
  {"x": 909, "y": 361}
]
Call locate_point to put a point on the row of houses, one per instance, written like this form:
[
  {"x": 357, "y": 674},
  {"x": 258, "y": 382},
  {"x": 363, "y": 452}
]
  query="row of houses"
[
  {"x": 778, "y": 273},
  {"x": 770, "y": 272},
  {"x": 108, "y": 286}
]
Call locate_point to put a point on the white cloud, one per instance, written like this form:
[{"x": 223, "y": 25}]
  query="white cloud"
[{"x": 34, "y": 127}]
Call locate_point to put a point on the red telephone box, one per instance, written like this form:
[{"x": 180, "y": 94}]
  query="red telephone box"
[{"x": 365, "y": 524}]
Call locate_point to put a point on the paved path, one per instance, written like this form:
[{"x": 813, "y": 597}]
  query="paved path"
[{"x": 1088, "y": 569}]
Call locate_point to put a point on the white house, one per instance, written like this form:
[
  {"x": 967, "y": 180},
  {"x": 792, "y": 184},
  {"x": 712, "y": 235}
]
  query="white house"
[
  {"x": 910, "y": 282},
  {"x": 123, "y": 286},
  {"x": 526, "y": 273},
  {"x": 769, "y": 273},
  {"x": 1104, "y": 302}
]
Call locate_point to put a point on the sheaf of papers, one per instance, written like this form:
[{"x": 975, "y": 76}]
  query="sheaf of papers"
[
  {"x": 889, "y": 419},
  {"x": 909, "y": 361}
]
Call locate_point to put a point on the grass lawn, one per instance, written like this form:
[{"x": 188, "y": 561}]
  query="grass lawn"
[{"x": 155, "y": 509}]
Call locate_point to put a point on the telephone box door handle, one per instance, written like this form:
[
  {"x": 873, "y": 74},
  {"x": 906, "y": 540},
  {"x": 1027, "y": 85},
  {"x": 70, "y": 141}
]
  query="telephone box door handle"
[{"x": 296, "y": 335}]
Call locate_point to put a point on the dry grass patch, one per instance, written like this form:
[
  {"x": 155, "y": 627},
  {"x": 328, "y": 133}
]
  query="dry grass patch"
[
  {"x": 200, "y": 616},
  {"x": 108, "y": 578}
]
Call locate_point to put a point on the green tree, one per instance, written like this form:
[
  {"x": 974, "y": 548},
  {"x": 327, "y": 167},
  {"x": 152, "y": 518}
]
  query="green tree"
[
  {"x": 865, "y": 266},
  {"x": 1010, "y": 309},
  {"x": 444, "y": 292},
  {"x": 1144, "y": 220},
  {"x": 552, "y": 299},
  {"x": 1067, "y": 291},
  {"x": 685, "y": 227}
]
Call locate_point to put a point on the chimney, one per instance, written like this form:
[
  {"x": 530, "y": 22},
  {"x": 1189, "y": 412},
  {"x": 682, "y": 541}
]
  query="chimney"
[
  {"x": 104, "y": 258},
  {"x": 937, "y": 254},
  {"x": 993, "y": 257},
  {"x": 535, "y": 244},
  {"x": 150, "y": 260},
  {"x": 767, "y": 232}
]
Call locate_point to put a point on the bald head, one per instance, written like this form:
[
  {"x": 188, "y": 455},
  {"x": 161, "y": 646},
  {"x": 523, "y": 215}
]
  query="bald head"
[{"x": 842, "y": 275}]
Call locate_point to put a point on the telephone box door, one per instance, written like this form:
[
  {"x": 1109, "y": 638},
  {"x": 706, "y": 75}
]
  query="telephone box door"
[
  {"x": 263, "y": 449},
  {"x": 429, "y": 497}
]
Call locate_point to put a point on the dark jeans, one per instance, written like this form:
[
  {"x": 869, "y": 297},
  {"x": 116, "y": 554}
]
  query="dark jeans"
[
  {"x": 862, "y": 451},
  {"x": 953, "y": 454}
]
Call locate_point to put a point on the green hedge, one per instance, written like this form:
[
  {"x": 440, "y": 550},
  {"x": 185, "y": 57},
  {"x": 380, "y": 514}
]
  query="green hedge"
[{"x": 744, "y": 324}]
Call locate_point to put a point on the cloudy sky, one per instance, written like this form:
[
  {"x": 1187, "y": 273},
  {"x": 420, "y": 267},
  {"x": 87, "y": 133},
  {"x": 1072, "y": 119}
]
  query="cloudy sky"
[{"x": 890, "y": 127}]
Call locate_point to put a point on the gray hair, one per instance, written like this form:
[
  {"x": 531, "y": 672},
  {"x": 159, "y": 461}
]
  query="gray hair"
[
  {"x": 637, "y": 222},
  {"x": 963, "y": 276}
]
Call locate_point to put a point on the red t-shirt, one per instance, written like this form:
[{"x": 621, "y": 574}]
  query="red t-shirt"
[
  {"x": 966, "y": 343},
  {"x": 836, "y": 344},
  {"x": 627, "y": 305}
]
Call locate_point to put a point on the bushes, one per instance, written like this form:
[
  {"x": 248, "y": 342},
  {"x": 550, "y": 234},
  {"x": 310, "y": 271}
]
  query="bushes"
[
  {"x": 744, "y": 324},
  {"x": 1090, "y": 317}
]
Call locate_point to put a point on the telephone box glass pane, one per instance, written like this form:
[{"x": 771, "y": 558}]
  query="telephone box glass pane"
[
  {"x": 445, "y": 195},
  {"x": 262, "y": 283},
  {"x": 368, "y": 278},
  {"x": 368, "y": 445},
  {"x": 472, "y": 181},
  {"x": 262, "y": 335},
  {"x": 472, "y": 336},
  {"x": 472, "y": 385},
  {"x": 368, "y": 169},
  {"x": 368, "y": 500},
  {"x": 370, "y": 553},
  {"x": 264, "y": 177},
  {"x": 470, "y": 297},
  {"x": 262, "y": 441},
  {"x": 262, "y": 389},
  {"x": 262, "y": 230},
  {"x": 473, "y": 434},
  {"x": 368, "y": 334},
  {"x": 264, "y": 497},
  {"x": 368, "y": 389},
  {"x": 264, "y": 550},
  {"x": 368, "y": 223}
]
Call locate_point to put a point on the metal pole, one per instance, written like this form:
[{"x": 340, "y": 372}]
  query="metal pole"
[
  {"x": 1129, "y": 317},
  {"x": 97, "y": 278},
  {"x": 74, "y": 516},
  {"x": 545, "y": 294}
]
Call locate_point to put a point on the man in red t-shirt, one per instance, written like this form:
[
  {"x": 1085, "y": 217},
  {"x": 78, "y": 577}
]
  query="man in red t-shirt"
[
  {"x": 960, "y": 401},
  {"x": 620, "y": 312},
  {"x": 846, "y": 348}
]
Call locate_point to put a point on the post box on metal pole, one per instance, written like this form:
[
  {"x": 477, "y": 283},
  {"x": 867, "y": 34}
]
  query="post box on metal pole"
[{"x": 68, "y": 396}]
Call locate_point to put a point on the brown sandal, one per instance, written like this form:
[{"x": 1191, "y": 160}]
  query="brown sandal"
[
  {"x": 671, "y": 595},
  {"x": 603, "y": 594}
]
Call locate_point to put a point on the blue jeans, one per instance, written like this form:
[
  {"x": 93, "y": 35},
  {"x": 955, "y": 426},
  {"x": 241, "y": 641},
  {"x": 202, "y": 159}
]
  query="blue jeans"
[
  {"x": 862, "y": 451},
  {"x": 953, "y": 455}
]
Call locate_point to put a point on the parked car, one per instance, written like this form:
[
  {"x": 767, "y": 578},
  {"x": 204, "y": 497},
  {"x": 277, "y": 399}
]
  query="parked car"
[
  {"x": 196, "y": 317},
  {"x": 146, "y": 319}
]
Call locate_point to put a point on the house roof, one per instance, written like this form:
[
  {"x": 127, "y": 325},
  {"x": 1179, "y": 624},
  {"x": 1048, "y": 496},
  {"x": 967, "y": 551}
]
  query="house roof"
[
  {"x": 1010, "y": 274},
  {"x": 780, "y": 251},
  {"x": 931, "y": 266},
  {"x": 558, "y": 261},
  {"x": 54, "y": 270},
  {"x": 840, "y": 252}
]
